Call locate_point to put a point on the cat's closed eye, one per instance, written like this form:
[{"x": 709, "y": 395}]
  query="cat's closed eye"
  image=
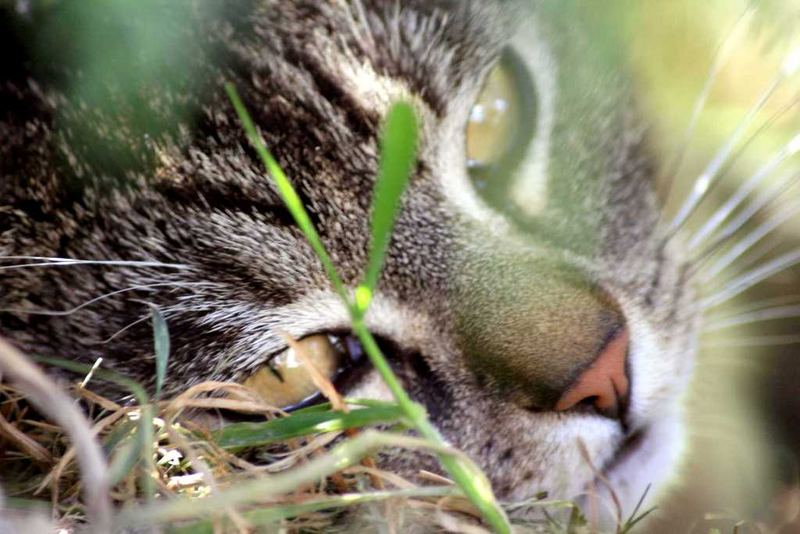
[{"x": 285, "y": 382}]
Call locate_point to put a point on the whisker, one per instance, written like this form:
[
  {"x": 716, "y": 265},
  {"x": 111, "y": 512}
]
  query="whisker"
[
  {"x": 778, "y": 312},
  {"x": 124, "y": 329},
  {"x": 758, "y": 132},
  {"x": 747, "y": 280},
  {"x": 779, "y": 187},
  {"x": 721, "y": 56},
  {"x": 790, "y": 149},
  {"x": 42, "y": 261},
  {"x": 768, "y": 245},
  {"x": 748, "y": 241},
  {"x": 61, "y": 313},
  {"x": 758, "y": 305},
  {"x": 707, "y": 178},
  {"x": 754, "y": 341}
]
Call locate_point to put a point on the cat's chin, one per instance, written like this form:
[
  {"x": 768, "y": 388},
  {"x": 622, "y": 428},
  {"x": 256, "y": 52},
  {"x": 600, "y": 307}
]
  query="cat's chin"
[
  {"x": 631, "y": 482},
  {"x": 584, "y": 455}
]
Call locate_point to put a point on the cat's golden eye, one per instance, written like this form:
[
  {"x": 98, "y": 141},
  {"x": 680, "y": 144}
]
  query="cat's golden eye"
[
  {"x": 285, "y": 382},
  {"x": 501, "y": 123}
]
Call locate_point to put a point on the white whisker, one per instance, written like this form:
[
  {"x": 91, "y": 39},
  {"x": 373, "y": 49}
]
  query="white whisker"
[
  {"x": 765, "y": 126},
  {"x": 778, "y": 312},
  {"x": 721, "y": 56},
  {"x": 749, "y": 240},
  {"x": 124, "y": 329},
  {"x": 61, "y": 313},
  {"x": 747, "y": 280},
  {"x": 767, "y": 246},
  {"x": 757, "y": 305},
  {"x": 790, "y": 149},
  {"x": 709, "y": 175},
  {"x": 754, "y": 341},
  {"x": 768, "y": 195},
  {"x": 61, "y": 262}
]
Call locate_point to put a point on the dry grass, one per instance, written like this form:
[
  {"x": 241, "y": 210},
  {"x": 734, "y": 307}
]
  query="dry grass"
[
  {"x": 41, "y": 470},
  {"x": 192, "y": 477},
  {"x": 199, "y": 484}
]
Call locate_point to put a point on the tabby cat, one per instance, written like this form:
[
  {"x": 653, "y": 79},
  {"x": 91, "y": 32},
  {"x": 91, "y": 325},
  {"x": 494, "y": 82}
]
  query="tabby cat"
[{"x": 533, "y": 298}]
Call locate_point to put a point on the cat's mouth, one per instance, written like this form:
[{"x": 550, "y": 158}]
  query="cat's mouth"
[
  {"x": 603, "y": 499},
  {"x": 630, "y": 446}
]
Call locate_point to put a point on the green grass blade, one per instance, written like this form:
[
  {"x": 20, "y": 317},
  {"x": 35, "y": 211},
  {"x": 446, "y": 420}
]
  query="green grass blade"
[
  {"x": 286, "y": 191},
  {"x": 123, "y": 445},
  {"x": 160, "y": 346},
  {"x": 260, "y": 489},
  {"x": 398, "y": 157},
  {"x": 466, "y": 475},
  {"x": 244, "y": 435}
]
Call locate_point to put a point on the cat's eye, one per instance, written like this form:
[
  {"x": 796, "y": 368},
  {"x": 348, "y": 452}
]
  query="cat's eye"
[
  {"x": 501, "y": 124},
  {"x": 285, "y": 382}
]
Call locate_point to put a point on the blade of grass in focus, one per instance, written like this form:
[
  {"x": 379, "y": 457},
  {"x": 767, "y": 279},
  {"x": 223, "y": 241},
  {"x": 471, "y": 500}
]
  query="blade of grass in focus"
[
  {"x": 161, "y": 347},
  {"x": 399, "y": 120},
  {"x": 243, "y": 435},
  {"x": 398, "y": 156}
]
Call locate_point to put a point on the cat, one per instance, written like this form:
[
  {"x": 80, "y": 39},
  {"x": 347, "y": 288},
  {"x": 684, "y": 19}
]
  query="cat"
[{"x": 533, "y": 299}]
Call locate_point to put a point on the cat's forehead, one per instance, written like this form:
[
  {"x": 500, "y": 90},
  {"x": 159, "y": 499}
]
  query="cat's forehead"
[
  {"x": 586, "y": 156},
  {"x": 431, "y": 48}
]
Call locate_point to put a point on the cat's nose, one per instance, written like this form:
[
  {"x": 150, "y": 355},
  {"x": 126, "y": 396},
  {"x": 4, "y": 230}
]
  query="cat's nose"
[
  {"x": 604, "y": 383},
  {"x": 552, "y": 341}
]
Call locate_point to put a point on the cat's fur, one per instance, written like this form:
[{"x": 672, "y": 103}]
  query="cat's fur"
[{"x": 154, "y": 167}]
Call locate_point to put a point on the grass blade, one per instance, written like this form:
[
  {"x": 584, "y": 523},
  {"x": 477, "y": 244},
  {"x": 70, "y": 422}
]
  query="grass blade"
[
  {"x": 145, "y": 420},
  {"x": 244, "y": 435},
  {"x": 286, "y": 191},
  {"x": 160, "y": 347},
  {"x": 260, "y": 489},
  {"x": 467, "y": 476},
  {"x": 398, "y": 157},
  {"x": 126, "y": 458}
]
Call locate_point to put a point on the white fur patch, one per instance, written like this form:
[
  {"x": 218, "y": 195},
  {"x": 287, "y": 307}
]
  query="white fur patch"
[
  {"x": 372, "y": 90},
  {"x": 529, "y": 191}
]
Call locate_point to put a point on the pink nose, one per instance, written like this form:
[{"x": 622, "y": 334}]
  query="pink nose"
[{"x": 604, "y": 384}]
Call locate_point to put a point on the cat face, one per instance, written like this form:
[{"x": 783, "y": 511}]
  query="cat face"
[{"x": 513, "y": 274}]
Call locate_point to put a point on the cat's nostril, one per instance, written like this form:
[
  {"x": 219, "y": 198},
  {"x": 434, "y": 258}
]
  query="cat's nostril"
[{"x": 604, "y": 384}]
